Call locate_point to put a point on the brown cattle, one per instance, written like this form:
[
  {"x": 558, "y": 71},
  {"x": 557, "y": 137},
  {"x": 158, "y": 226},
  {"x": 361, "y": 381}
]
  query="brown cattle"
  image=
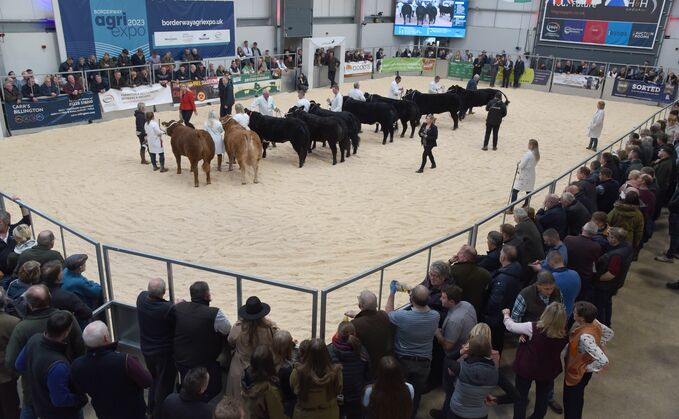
[
  {"x": 196, "y": 144},
  {"x": 242, "y": 145}
]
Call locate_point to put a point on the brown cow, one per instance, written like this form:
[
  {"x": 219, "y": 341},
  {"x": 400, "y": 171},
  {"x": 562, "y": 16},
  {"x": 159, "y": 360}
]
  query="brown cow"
[
  {"x": 196, "y": 144},
  {"x": 242, "y": 145}
]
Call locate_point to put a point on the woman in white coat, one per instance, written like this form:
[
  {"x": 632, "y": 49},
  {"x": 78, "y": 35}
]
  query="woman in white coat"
[
  {"x": 525, "y": 171},
  {"x": 596, "y": 126},
  {"x": 154, "y": 137},
  {"x": 214, "y": 127}
]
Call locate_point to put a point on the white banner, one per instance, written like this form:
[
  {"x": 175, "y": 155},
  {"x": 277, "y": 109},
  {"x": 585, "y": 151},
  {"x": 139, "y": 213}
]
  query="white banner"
[
  {"x": 357, "y": 67},
  {"x": 183, "y": 38},
  {"x": 129, "y": 97},
  {"x": 577, "y": 80}
]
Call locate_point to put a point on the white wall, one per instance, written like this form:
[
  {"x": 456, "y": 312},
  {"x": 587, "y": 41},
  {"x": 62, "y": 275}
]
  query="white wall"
[
  {"x": 264, "y": 36},
  {"x": 669, "y": 50},
  {"x": 348, "y": 31},
  {"x": 381, "y": 35},
  {"x": 333, "y": 8},
  {"x": 22, "y": 50},
  {"x": 253, "y": 9},
  {"x": 26, "y": 9},
  {"x": 373, "y": 7}
]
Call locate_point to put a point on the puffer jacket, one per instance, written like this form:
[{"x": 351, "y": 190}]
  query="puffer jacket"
[
  {"x": 476, "y": 378},
  {"x": 630, "y": 218},
  {"x": 139, "y": 121},
  {"x": 354, "y": 372},
  {"x": 262, "y": 400}
]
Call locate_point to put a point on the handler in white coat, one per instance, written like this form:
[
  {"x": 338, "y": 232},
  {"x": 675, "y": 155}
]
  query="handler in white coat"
[
  {"x": 596, "y": 126},
  {"x": 337, "y": 100},
  {"x": 154, "y": 137},
  {"x": 525, "y": 171},
  {"x": 435, "y": 86},
  {"x": 216, "y": 131},
  {"x": 264, "y": 104},
  {"x": 395, "y": 91}
]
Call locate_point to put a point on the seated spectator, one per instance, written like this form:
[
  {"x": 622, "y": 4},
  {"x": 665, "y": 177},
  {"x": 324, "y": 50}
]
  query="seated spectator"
[
  {"x": 142, "y": 78},
  {"x": 276, "y": 64},
  {"x": 138, "y": 59},
  {"x": 81, "y": 65},
  {"x": 260, "y": 387},
  {"x": 29, "y": 275},
  {"x": 576, "y": 213},
  {"x": 72, "y": 87},
  {"x": 66, "y": 66},
  {"x": 42, "y": 252},
  {"x": 391, "y": 397},
  {"x": 163, "y": 77},
  {"x": 118, "y": 81},
  {"x": 181, "y": 74},
  {"x": 105, "y": 371},
  {"x": 132, "y": 79},
  {"x": 302, "y": 82},
  {"x": 124, "y": 59},
  {"x": 10, "y": 92},
  {"x": 73, "y": 280},
  {"x": 30, "y": 90},
  {"x": 167, "y": 58},
  {"x": 317, "y": 383},
  {"x": 220, "y": 70},
  {"x": 99, "y": 85},
  {"x": 261, "y": 66},
  {"x": 373, "y": 328},
  {"x": 247, "y": 68},
  {"x": 470, "y": 277},
  {"x": 234, "y": 69},
  {"x": 282, "y": 348},
  {"x": 154, "y": 60},
  {"x": 51, "y": 274},
  {"x": 201, "y": 71},
  {"x": 193, "y": 72},
  {"x": 106, "y": 61},
  {"x": 491, "y": 260},
  {"x": 552, "y": 215},
  {"x": 191, "y": 401},
  {"x": 195, "y": 56},
  {"x": 346, "y": 349},
  {"x": 253, "y": 328},
  {"x": 211, "y": 72},
  {"x": 22, "y": 242},
  {"x": 503, "y": 289}
]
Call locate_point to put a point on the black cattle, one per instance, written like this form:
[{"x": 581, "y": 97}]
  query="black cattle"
[
  {"x": 435, "y": 103},
  {"x": 332, "y": 130},
  {"x": 446, "y": 10},
  {"x": 473, "y": 98},
  {"x": 280, "y": 130},
  {"x": 407, "y": 13},
  {"x": 373, "y": 113},
  {"x": 431, "y": 13},
  {"x": 407, "y": 111},
  {"x": 420, "y": 13},
  {"x": 352, "y": 123}
]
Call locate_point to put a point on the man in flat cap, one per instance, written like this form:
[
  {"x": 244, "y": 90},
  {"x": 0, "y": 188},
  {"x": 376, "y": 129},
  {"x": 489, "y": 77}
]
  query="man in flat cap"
[{"x": 88, "y": 291}]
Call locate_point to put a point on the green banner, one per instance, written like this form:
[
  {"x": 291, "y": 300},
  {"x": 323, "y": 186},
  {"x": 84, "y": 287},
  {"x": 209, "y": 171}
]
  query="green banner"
[
  {"x": 405, "y": 64},
  {"x": 461, "y": 69},
  {"x": 247, "y": 78}
]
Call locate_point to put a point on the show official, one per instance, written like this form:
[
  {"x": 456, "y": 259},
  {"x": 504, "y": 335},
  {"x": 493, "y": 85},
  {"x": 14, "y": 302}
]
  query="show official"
[
  {"x": 596, "y": 126},
  {"x": 428, "y": 133},
  {"x": 226, "y": 98},
  {"x": 302, "y": 101},
  {"x": 519, "y": 69},
  {"x": 264, "y": 104},
  {"x": 435, "y": 86},
  {"x": 140, "y": 119},
  {"x": 154, "y": 138},
  {"x": 356, "y": 93},
  {"x": 187, "y": 105},
  {"x": 525, "y": 178},
  {"x": 337, "y": 100},
  {"x": 507, "y": 67},
  {"x": 496, "y": 111},
  {"x": 395, "y": 91}
]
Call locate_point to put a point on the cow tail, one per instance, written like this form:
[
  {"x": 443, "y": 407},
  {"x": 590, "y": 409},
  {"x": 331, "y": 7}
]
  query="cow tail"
[{"x": 506, "y": 98}]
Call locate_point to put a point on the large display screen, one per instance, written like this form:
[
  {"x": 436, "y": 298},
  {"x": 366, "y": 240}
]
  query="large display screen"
[
  {"x": 443, "y": 19},
  {"x": 616, "y": 23}
]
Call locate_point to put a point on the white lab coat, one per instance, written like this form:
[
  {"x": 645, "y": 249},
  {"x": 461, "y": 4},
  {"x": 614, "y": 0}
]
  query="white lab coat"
[
  {"x": 394, "y": 90},
  {"x": 356, "y": 94},
  {"x": 263, "y": 106},
  {"x": 303, "y": 103},
  {"x": 435, "y": 87},
  {"x": 216, "y": 131},
  {"x": 597, "y": 124},
  {"x": 525, "y": 179},
  {"x": 336, "y": 104},
  {"x": 154, "y": 137},
  {"x": 243, "y": 119}
]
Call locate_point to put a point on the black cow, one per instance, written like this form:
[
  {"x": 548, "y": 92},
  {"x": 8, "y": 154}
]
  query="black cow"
[
  {"x": 374, "y": 113},
  {"x": 431, "y": 13},
  {"x": 332, "y": 130},
  {"x": 353, "y": 124},
  {"x": 407, "y": 12},
  {"x": 280, "y": 130},
  {"x": 473, "y": 98},
  {"x": 435, "y": 103},
  {"x": 407, "y": 111},
  {"x": 446, "y": 10},
  {"x": 420, "y": 12}
]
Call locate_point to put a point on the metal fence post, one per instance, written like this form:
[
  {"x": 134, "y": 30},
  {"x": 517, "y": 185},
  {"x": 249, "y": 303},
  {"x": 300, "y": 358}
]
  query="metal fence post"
[
  {"x": 109, "y": 280},
  {"x": 63, "y": 241},
  {"x": 314, "y": 313},
  {"x": 428, "y": 263},
  {"x": 552, "y": 187},
  {"x": 2, "y": 203},
  {"x": 379, "y": 298},
  {"x": 170, "y": 281},
  {"x": 472, "y": 235},
  {"x": 239, "y": 292},
  {"x": 324, "y": 298}
]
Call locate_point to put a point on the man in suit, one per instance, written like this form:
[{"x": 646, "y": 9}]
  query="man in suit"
[
  {"x": 507, "y": 66},
  {"x": 519, "y": 68}
]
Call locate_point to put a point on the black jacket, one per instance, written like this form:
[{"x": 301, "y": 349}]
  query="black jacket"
[
  {"x": 30, "y": 91},
  {"x": 504, "y": 287},
  {"x": 496, "y": 111},
  {"x": 519, "y": 68},
  {"x": 139, "y": 121},
  {"x": 429, "y": 140},
  {"x": 490, "y": 261},
  {"x": 226, "y": 93},
  {"x": 40, "y": 254},
  {"x": 184, "y": 406},
  {"x": 607, "y": 194},
  {"x": 555, "y": 218},
  {"x": 354, "y": 372},
  {"x": 156, "y": 324},
  {"x": 587, "y": 195},
  {"x": 195, "y": 340},
  {"x": 7, "y": 248},
  {"x": 577, "y": 215},
  {"x": 66, "y": 300}
]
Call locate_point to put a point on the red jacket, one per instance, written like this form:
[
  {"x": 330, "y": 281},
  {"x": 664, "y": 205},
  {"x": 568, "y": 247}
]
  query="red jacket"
[{"x": 188, "y": 102}]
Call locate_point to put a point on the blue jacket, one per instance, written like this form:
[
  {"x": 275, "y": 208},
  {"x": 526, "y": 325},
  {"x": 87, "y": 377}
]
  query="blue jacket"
[
  {"x": 471, "y": 85},
  {"x": 88, "y": 291},
  {"x": 504, "y": 287},
  {"x": 555, "y": 218}
]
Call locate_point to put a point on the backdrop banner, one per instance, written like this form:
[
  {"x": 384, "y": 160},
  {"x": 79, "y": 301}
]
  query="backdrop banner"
[
  {"x": 407, "y": 65},
  {"x": 128, "y": 97},
  {"x": 207, "y": 91},
  {"x": 578, "y": 80},
  {"x": 636, "y": 89},
  {"x": 464, "y": 70},
  {"x": 357, "y": 67},
  {"x": 52, "y": 111}
]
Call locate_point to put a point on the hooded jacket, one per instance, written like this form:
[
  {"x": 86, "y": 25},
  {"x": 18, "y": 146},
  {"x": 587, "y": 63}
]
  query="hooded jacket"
[
  {"x": 504, "y": 287},
  {"x": 13, "y": 257},
  {"x": 630, "y": 218},
  {"x": 262, "y": 400},
  {"x": 476, "y": 378}
]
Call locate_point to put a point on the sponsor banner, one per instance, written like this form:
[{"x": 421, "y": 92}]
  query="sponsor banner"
[
  {"x": 129, "y": 97},
  {"x": 358, "y": 67},
  {"x": 582, "y": 81},
  {"x": 529, "y": 76},
  {"x": 52, "y": 111},
  {"x": 207, "y": 91},
  {"x": 464, "y": 70},
  {"x": 641, "y": 90},
  {"x": 243, "y": 90},
  {"x": 407, "y": 65}
]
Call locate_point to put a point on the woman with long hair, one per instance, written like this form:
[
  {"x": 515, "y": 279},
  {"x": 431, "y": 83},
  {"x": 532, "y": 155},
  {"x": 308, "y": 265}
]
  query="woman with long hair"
[
  {"x": 22, "y": 236},
  {"x": 538, "y": 357},
  {"x": 283, "y": 347},
  {"x": 216, "y": 131},
  {"x": 187, "y": 105},
  {"x": 260, "y": 387},
  {"x": 525, "y": 171},
  {"x": 317, "y": 384},
  {"x": 29, "y": 274},
  {"x": 252, "y": 329},
  {"x": 428, "y": 134},
  {"x": 346, "y": 350},
  {"x": 390, "y": 397}
]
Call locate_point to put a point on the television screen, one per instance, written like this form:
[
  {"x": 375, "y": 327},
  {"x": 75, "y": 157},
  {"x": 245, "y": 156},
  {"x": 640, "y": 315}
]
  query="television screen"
[{"x": 440, "y": 18}]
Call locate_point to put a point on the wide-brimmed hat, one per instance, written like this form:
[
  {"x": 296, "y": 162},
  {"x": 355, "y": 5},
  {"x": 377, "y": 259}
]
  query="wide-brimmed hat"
[
  {"x": 253, "y": 309},
  {"x": 74, "y": 262}
]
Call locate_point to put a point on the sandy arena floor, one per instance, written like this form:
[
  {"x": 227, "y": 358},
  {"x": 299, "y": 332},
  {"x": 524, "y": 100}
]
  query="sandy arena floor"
[{"x": 311, "y": 226}]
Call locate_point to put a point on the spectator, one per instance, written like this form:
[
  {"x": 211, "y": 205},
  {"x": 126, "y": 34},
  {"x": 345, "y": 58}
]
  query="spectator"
[
  {"x": 105, "y": 371},
  {"x": 9, "y": 398},
  {"x": 220, "y": 70},
  {"x": 226, "y": 97},
  {"x": 627, "y": 215},
  {"x": 74, "y": 281},
  {"x": 118, "y": 81},
  {"x": 567, "y": 280},
  {"x": 528, "y": 234},
  {"x": 229, "y": 408},
  {"x": 607, "y": 190},
  {"x": 553, "y": 216},
  {"x": 583, "y": 357},
  {"x": 48, "y": 88},
  {"x": 532, "y": 300},
  {"x": 142, "y": 78},
  {"x": 167, "y": 58},
  {"x": 181, "y": 74},
  {"x": 124, "y": 59},
  {"x": 45, "y": 361},
  {"x": 261, "y": 66},
  {"x": 154, "y": 60},
  {"x": 156, "y": 317},
  {"x": 373, "y": 328},
  {"x": 470, "y": 277},
  {"x": 195, "y": 56},
  {"x": 138, "y": 59},
  {"x": 437, "y": 276},
  {"x": 414, "y": 337},
  {"x": 191, "y": 401},
  {"x": 612, "y": 270},
  {"x": 507, "y": 69},
  {"x": 586, "y": 192},
  {"x": 391, "y": 397},
  {"x": 282, "y": 348},
  {"x": 51, "y": 274},
  {"x": 98, "y": 85},
  {"x": 317, "y": 383},
  {"x": 576, "y": 213},
  {"x": 194, "y": 74},
  {"x": 247, "y": 68},
  {"x": 600, "y": 218},
  {"x": 66, "y": 66},
  {"x": 22, "y": 241},
  {"x": 538, "y": 357},
  {"x": 332, "y": 64},
  {"x": 72, "y": 87},
  {"x": 356, "y": 93},
  {"x": 503, "y": 289},
  {"x": 252, "y": 329},
  {"x": 234, "y": 69},
  {"x": 491, "y": 260},
  {"x": 29, "y": 275},
  {"x": 241, "y": 117},
  {"x": 163, "y": 76},
  {"x": 302, "y": 82},
  {"x": 187, "y": 105},
  {"x": 583, "y": 252},
  {"x": 106, "y": 61},
  {"x": 608, "y": 160},
  {"x": 42, "y": 252},
  {"x": 260, "y": 386},
  {"x": 664, "y": 172},
  {"x": 554, "y": 244},
  {"x": 30, "y": 90},
  {"x": 346, "y": 349},
  {"x": 198, "y": 336},
  {"x": 247, "y": 51}
]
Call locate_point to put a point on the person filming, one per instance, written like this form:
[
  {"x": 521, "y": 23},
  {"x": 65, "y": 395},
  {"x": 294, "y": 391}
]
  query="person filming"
[{"x": 496, "y": 111}]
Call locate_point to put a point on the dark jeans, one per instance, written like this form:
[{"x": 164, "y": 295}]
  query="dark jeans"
[
  {"x": 186, "y": 116},
  {"x": 331, "y": 76},
  {"x": 427, "y": 153},
  {"x": 574, "y": 398},
  {"x": 214, "y": 387},
  {"x": 603, "y": 300},
  {"x": 164, "y": 375},
  {"x": 593, "y": 143},
  {"x": 505, "y": 79},
  {"x": 452, "y": 415},
  {"x": 497, "y": 337},
  {"x": 674, "y": 235},
  {"x": 224, "y": 109},
  {"x": 494, "y": 129},
  {"x": 9, "y": 400},
  {"x": 27, "y": 412},
  {"x": 448, "y": 383},
  {"x": 162, "y": 159},
  {"x": 415, "y": 373},
  {"x": 515, "y": 195},
  {"x": 351, "y": 410},
  {"x": 542, "y": 391}
]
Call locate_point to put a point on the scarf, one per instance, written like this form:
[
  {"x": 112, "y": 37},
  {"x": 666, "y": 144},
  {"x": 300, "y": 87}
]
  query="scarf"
[{"x": 339, "y": 344}]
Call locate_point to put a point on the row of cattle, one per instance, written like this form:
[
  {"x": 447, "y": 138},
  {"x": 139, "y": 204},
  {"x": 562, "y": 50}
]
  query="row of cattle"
[{"x": 303, "y": 129}]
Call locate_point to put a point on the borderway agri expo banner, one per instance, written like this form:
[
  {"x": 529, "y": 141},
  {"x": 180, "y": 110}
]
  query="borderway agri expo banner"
[
  {"x": 52, "y": 111},
  {"x": 618, "y": 23},
  {"x": 99, "y": 26}
]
